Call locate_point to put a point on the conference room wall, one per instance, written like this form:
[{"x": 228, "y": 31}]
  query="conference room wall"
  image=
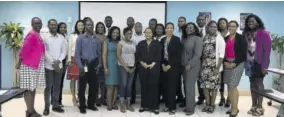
[{"x": 269, "y": 12}]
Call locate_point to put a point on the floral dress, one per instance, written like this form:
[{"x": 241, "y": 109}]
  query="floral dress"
[{"x": 209, "y": 79}]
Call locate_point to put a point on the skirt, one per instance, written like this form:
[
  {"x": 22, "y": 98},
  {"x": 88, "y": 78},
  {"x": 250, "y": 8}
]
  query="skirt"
[
  {"x": 73, "y": 70},
  {"x": 32, "y": 79},
  {"x": 232, "y": 76}
]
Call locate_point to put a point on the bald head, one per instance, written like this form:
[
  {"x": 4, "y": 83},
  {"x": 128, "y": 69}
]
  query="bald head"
[
  {"x": 138, "y": 28},
  {"x": 130, "y": 22},
  {"x": 36, "y": 24}
]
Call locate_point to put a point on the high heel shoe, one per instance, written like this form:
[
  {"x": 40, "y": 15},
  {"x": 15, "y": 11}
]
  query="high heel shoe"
[
  {"x": 211, "y": 109},
  {"x": 231, "y": 115}
]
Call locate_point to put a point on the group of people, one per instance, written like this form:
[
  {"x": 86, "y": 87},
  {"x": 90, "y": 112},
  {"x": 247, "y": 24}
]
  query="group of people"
[{"x": 110, "y": 60}]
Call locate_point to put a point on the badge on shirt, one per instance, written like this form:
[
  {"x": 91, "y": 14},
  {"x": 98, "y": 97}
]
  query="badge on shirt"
[{"x": 85, "y": 68}]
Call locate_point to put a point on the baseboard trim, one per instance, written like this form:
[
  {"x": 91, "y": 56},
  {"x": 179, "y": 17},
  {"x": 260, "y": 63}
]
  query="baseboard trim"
[{"x": 67, "y": 91}]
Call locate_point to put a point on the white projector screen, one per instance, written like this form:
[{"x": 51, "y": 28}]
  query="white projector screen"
[{"x": 120, "y": 11}]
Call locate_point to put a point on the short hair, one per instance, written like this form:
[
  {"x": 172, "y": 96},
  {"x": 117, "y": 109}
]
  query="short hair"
[
  {"x": 110, "y": 33},
  {"x": 52, "y": 20},
  {"x": 34, "y": 19},
  {"x": 108, "y": 17},
  {"x": 154, "y": 19},
  {"x": 234, "y": 21},
  {"x": 86, "y": 18},
  {"x": 182, "y": 17},
  {"x": 170, "y": 23},
  {"x": 219, "y": 29},
  {"x": 96, "y": 30},
  {"x": 76, "y": 31},
  {"x": 126, "y": 30}
]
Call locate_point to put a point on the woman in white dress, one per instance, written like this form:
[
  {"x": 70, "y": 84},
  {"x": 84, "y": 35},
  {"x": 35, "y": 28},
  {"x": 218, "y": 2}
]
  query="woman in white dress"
[{"x": 73, "y": 71}]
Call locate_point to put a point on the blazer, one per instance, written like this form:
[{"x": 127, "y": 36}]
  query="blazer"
[
  {"x": 240, "y": 48},
  {"x": 32, "y": 50},
  {"x": 174, "y": 51}
]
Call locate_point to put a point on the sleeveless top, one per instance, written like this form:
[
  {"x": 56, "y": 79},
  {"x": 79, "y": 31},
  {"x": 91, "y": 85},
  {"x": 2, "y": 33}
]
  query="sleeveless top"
[{"x": 128, "y": 50}]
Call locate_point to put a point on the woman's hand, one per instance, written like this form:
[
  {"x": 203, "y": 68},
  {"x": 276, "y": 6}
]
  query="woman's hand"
[
  {"x": 106, "y": 72},
  {"x": 18, "y": 66},
  {"x": 69, "y": 63},
  {"x": 127, "y": 69},
  {"x": 187, "y": 68},
  {"x": 144, "y": 65}
]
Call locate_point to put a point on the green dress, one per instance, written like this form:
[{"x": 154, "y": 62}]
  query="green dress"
[{"x": 112, "y": 78}]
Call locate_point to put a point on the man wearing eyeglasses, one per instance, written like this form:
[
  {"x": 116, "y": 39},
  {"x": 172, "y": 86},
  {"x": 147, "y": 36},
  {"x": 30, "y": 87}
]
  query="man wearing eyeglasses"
[{"x": 56, "y": 51}]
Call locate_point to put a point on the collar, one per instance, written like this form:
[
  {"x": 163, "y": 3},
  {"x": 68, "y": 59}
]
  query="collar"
[
  {"x": 85, "y": 35},
  {"x": 138, "y": 35},
  {"x": 50, "y": 35}
]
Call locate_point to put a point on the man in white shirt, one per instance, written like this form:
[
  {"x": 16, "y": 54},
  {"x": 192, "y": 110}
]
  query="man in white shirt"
[
  {"x": 138, "y": 35},
  {"x": 201, "y": 22},
  {"x": 56, "y": 51}
]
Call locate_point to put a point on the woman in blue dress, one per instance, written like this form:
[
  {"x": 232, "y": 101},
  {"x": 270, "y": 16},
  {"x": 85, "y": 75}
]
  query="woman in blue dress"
[{"x": 110, "y": 66}]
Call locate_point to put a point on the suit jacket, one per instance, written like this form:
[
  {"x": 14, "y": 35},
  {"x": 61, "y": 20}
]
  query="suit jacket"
[
  {"x": 240, "y": 48},
  {"x": 174, "y": 51}
]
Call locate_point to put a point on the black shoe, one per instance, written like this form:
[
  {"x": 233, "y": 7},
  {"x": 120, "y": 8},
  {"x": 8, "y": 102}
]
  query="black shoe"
[
  {"x": 142, "y": 110},
  {"x": 180, "y": 99},
  {"x": 98, "y": 103},
  {"x": 83, "y": 111},
  {"x": 156, "y": 112},
  {"x": 93, "y": 108},
  {"x": 222, "y": 102},
  {"x": 46, "y": 112},
  {"x": 132, "y": 102},
  {"x": 199, "y": 102},
  {"x": 58, "y": 109},
  {"x": 189, "y": 113},
  {"x": 228, "y": 104},
  {"x": 229, "y": 112}
]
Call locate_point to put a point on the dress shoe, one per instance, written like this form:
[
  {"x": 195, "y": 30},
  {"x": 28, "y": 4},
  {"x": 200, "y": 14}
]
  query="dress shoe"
[
  {"x": 222, "y": 102},
  {"x": 93, "y": 108},
  {"x": 83, "y": 111},
  {"x": 58, "y": 109},
  {"x": 228, "y": 104},
  {"x": 46, "y": 112}
]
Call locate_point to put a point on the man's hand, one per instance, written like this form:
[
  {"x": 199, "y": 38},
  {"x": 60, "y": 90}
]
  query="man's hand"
[
  {"x": 56, "y": 62},
  {"x": 82, "y": 71}
]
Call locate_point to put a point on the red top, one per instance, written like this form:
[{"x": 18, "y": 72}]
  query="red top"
[{"x": 229, "y": 52}]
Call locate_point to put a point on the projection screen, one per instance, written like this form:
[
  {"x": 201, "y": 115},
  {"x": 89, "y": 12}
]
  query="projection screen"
[{"x": 120, "y": 11}]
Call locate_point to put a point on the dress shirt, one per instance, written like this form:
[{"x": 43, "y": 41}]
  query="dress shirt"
[
  {"x": 56, "y": 49},
  {"x": 88, "y": 48},
  {"x": 138, "y": 38},
  {"x": 203, "y": 31}
]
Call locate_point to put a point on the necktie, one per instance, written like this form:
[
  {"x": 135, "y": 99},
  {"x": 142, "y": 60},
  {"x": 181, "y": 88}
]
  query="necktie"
[{"x": 201, "y": 32}]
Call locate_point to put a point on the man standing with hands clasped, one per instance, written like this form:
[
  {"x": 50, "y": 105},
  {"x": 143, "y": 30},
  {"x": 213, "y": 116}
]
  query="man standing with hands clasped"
[
  {"x": 56, "y": 50},
  {"x": 88, "y": 59}
]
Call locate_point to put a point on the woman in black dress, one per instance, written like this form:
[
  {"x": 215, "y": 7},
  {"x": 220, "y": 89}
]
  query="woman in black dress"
[{"x": 148, "y": 54}]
